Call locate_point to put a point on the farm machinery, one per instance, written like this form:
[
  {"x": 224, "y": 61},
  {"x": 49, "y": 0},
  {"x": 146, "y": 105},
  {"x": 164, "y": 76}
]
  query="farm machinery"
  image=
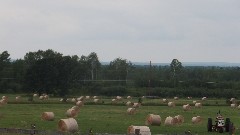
[{"x": 220, "y": 125}]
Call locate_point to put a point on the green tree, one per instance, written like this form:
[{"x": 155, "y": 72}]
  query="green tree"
[{"x": 176, "y": 67}]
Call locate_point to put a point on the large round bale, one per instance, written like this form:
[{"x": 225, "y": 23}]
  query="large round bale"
[
  {"x": 48, "y": 116},
  {"x": 96, "y": 100},
  {"x": 186, "y": 107},
  {"x": 131, "y": 111},
  {"x": 73, "y": 100},
  {"x": 129, "y": 97},
  {"x": 198, "y": 105},
  {"x": 41, "y": 97},
  {"x": 114, "y": 101},
  {"x": 136, "y": 105},
  {"x": 129, "y": 103},
  {"x": 233, "y": 100},
  {"x": 238, "y": 107},
  {"x": 204, "y": 98},
  {"x": 171, "y": 104},
  {"x": 17, "y": 98},
  {"x": 87, "y": 97},
  {"x": 180, "y": 119},
  {"x": 94, "y": 97},
  {"x": 68, "y": 125},
  {"x": 3, "y": 101},
  {"x": 189, "y": 97},
  {"x": 176, "y": 98},
  {"x": 138, "y": 130},
  {"x": 46, "y": 97},
  {"x": 76, "y": 108},
  {"x": 170, "y": 121},
  {"x": 71, "y": 113},
  {"x": 61, "y": 100},
  {"x": 81, "y": 98},
  {"x": 194, "y": 101},
  {"x": 196, "y": 120},
  {"x": 154, "y": 120},
  {"x": 119, "y": 98},
  {"x": 233, "y": 105},
  {"x": 79, "y": 103},
  {"x": 165, "y": 100},
  {"x": 35, "y": 95},
  {"x": 5, "y": 97}
]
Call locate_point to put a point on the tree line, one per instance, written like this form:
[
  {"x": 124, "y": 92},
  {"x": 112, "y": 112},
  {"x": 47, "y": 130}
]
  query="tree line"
[{"x": 53, "y": 73}]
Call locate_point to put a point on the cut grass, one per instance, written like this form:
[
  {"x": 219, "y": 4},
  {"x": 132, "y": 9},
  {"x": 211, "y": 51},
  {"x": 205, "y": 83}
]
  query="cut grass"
[{"x": 112, "y": 119}]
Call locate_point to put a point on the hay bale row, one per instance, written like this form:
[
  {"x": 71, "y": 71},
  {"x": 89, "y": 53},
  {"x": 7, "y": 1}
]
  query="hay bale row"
[
  {"x": 196, "y": 120},
  {"x": 154, "y": 120},
  {"x": 138, "y": 130}
]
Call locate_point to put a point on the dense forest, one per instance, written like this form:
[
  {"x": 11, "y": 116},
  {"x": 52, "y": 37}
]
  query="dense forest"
[{"x": 53, "y": 73}]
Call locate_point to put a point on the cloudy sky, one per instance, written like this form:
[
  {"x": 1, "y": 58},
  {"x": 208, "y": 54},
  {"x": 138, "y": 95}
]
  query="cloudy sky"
[{"x": 137, "y": 30}]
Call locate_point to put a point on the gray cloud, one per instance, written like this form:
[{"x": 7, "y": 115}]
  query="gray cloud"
[{"x": 137, "y": 30}]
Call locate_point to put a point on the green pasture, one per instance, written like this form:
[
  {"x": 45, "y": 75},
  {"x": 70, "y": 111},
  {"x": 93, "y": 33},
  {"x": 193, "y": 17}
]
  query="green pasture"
[{"x": 106, "y": 117}]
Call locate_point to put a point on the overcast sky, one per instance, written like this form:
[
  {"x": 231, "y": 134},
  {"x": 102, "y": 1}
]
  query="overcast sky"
[{"x": 136, "y": 30}]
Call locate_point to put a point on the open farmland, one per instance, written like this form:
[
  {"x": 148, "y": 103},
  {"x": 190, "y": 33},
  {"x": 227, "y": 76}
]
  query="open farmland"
[{"x": 108, "y": 118}]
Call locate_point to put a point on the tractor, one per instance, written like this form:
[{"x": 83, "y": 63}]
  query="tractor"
[{"x": 220, "y": 125}]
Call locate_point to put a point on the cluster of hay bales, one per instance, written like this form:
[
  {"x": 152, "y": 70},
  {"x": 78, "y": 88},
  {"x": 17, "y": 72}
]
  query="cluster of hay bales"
[
  {"x": 186, "y": 107},
  {"x": 68, "y": 125},
  {"x": 171, "y": 121},
  {"x": 153, "y": 120},
  {"x": 198, "y": 105},
  {"x": 196, "y": 120},
  {"x": 171, "y": 104},
  {"x": 138, "y": 130}
]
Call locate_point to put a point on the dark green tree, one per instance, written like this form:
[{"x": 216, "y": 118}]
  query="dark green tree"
[{"x": 176, "y": 67}]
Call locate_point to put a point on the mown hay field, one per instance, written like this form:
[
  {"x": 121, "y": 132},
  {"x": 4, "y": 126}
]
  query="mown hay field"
[{"x": 110, "y": 118}]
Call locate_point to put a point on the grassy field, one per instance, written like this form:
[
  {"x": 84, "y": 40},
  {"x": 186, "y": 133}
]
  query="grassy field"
[{"x": 107, "y": 118}]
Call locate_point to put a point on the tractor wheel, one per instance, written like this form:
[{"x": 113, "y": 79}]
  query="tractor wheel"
[
  {"x": 209, "y": 126},
  {"x": 220, "y": 130},
  {"x": 227, "y": 125}
]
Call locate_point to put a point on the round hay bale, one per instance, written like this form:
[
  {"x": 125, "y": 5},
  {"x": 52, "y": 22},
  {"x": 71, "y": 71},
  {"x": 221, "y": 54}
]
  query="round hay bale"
[
  {"x": 76, "y": 108},
  {"x": 94, "y": 97},
  {"x": 87, "y": 97},
  {"x": 154, "y": 120},
  {"x": 18, "y": 98},
  {"x": 41, "y": 97},
  {"x": 61, "y": 100},
  {"x": 198, "y": 105},
  {"x": 176, "y": 98},
  {"x": 232, "y": 99},
  {"x": 204, "y": 98},
  {"x": 170, "y": 121},
  {"x": 114, "y": 101},
  {"x": 3, "y": 101},
  {"x": 238, "y": 107},
  {"x": 119, "y": 98},
  {"x": 196, "y": 120},
  {"x": 73, "y": 100},
  {"x": 129, "y": 97},
  {"x": 46, "y": 97},
  {"x": 79, "y": 103},
  {"x": 5, "y": 97},
  {"x": 189, "y": 97},
  {"x": 194, "y": 102},
  {"x": 186, "y": 107},
  {"x": 180, "y": 119},
  {"x": 136, "y": 105},
  {"x": 131, "y": 111},
  {"x": 96, "y": 100},
  {"x": 71, "y": 113},
  {"x": 80, "y": 98},
  {"x": 68, "y": 125},
  {"x": 35, "y": 95},
  {"x": 48, "y": 116},
  {"x": 129, "y": 103},
  {"x": 233, "y": 105},
  {"x": 171, "y": 104},
  {"x": 165, "y": 100},
  {"x": 141, "y": 130}
]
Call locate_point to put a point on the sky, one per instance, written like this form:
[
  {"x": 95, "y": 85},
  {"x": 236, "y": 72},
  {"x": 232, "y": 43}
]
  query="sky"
[{"x": 136, "y": 30}]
